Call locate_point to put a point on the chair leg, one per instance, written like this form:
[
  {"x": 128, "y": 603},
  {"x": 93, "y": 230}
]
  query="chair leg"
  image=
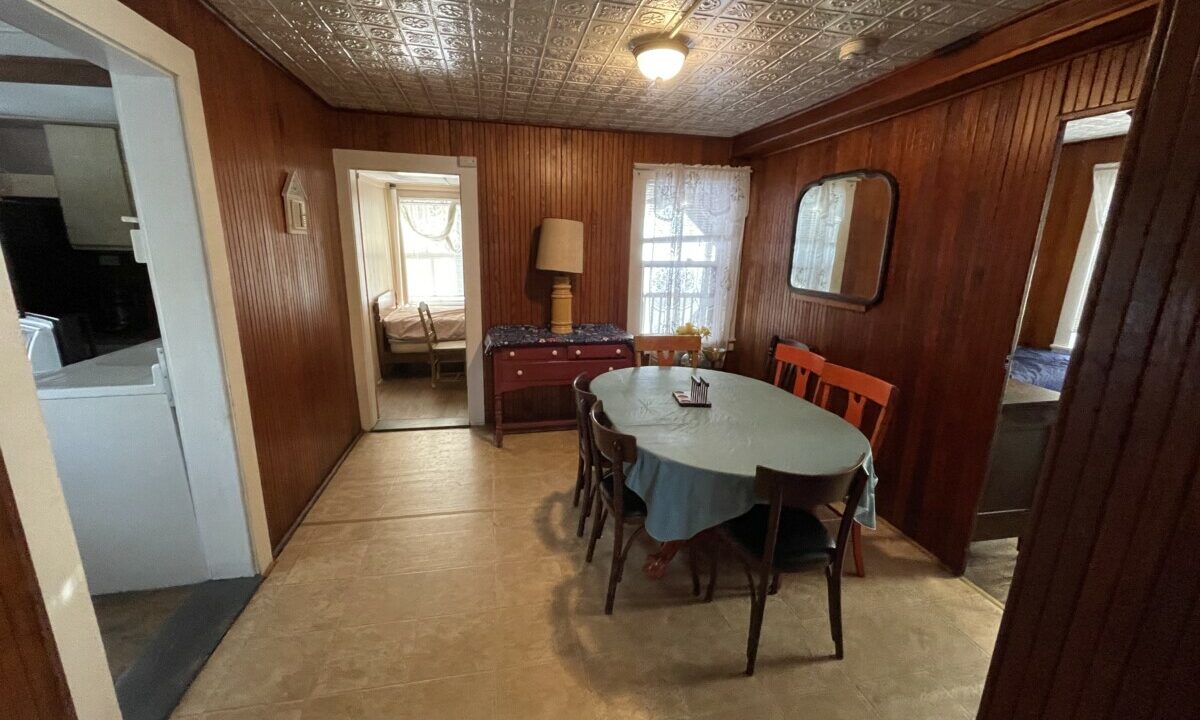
[
  {"x": 618, "y": 562},
  {"x": 578, "y": 482},
  {"x": 713, "y": 557},
  {"x": 695, "y": 568},
  {"x": 585, "y": 512},
  {"x": 776, "y": 583},
  {"x": 597, "y": 528},
  {"x": 834, "y": 581},
  {"x": 856, "y": 543},
  {"x": 758, "y": 609}
]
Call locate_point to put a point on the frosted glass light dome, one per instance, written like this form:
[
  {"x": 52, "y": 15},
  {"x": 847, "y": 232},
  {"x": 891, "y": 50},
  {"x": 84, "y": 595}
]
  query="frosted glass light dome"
[{"x": 661, "y": 59}]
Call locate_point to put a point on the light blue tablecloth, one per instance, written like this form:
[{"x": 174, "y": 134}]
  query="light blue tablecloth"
[{"x": 695, "y": 466}]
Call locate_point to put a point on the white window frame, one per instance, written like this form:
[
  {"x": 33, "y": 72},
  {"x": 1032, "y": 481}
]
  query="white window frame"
[{"x": 642, "y": 175}]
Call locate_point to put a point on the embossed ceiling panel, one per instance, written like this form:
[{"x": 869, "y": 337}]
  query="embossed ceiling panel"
[{"x": 567, "y": 62}]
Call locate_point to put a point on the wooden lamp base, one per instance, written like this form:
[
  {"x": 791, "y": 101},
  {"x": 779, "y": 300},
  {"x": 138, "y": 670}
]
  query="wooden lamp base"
[{"x": 560, "y": 306}]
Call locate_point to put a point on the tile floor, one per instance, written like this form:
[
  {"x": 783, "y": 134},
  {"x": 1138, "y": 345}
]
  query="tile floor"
[{"x": 440, "y": 577}]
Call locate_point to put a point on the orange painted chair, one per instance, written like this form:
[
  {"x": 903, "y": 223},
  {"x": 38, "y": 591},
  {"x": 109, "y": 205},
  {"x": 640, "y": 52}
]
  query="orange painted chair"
[
  {"x": 858, "y": 388},
  {"x": 797, "y": 370},
  {"x": 664, "y": 348}
]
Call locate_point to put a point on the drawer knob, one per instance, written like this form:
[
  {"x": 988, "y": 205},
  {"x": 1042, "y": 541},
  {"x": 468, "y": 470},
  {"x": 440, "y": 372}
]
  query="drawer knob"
[
  {"x": 512, "y": 353},
  {"x": 578, "y": 352},
  {"x": 610, "y": 367},
  {"x": 520, "y": 372},
  {"x": 618, "y": 351},
  {"x": 554, "y": 352}
]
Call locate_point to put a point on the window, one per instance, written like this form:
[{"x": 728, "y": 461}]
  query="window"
[
  {"x": 687, "y": 237},
  {"x": 431, "y": 248}
]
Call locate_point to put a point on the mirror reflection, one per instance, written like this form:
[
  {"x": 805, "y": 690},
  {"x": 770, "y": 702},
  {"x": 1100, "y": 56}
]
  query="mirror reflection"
[{"x": 843, "y": 226}]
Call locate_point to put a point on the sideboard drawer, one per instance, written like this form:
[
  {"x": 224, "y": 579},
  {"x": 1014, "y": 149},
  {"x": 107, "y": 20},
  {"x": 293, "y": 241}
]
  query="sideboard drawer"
[
  {"x": 535, "y": 354},
  {"x": 597, "y": 352},
  {"x": 518, "y": 374}
]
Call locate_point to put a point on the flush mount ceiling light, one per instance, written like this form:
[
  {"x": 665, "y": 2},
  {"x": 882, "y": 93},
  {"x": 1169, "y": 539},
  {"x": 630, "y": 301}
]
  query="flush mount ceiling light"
[{"x": 660, "y": 58}]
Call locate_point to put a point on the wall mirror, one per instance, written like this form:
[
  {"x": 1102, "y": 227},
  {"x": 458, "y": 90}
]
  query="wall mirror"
[{"x": 843, "y": 231}]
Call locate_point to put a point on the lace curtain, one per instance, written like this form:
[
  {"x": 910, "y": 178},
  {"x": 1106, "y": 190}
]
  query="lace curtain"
[
  {"x": 819, "y": 221},
  {"x": 691, "y": 248},
  {"x": 433, "y": 219}
]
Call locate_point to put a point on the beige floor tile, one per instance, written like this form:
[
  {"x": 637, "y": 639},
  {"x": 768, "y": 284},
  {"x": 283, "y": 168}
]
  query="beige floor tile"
[
  {"x": 469, "y": 697},
  {"x": 366, "y": 657},
  {"x": 461, "y": 591},
  {"x": 372, "y": 600},
  {"x": 549, "y": 691}
]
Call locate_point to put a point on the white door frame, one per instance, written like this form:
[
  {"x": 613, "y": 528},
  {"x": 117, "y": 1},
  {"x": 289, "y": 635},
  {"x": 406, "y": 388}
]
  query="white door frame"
[
  {"x": 137, "y": 52},
  {"x": 362, "y": 321}
]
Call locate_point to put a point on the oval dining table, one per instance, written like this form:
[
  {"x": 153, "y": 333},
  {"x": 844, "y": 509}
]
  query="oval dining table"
[{"x": 695, "y": 466}]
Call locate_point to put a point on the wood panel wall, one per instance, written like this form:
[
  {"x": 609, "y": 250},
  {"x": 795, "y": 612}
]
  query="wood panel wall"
[
  {"x": 1103, "y": 621},
  {"x": 1070, "y": 201},
  {"x": 972, "y": 174},
  {"x": 529, "y": 173},
  {"x": 32, "y": 683},
  {"x": 289, "y": 289}
]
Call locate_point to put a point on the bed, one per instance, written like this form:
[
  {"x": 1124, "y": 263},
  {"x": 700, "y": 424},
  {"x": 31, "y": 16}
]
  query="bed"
[{"x": 401, "y": 337}]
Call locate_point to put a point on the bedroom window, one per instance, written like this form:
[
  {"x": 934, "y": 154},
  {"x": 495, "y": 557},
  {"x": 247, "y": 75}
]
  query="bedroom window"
[
  {"x": 686, "y": 241},
  {"x": 431, "y": 251}
]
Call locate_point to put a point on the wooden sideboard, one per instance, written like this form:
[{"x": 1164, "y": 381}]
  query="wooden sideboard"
[{"x": 525, "y": 356}]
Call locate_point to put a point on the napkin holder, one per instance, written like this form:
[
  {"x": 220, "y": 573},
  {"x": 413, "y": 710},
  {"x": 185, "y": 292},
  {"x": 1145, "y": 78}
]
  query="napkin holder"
[{"x": 697, "y": 396}]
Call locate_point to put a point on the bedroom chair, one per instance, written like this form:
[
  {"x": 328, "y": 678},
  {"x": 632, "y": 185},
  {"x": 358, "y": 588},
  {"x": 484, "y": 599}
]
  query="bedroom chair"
[
  {"x": 454, "y": 351},
  {"x": 616, "y": 501},
  {"x": 786, "y": 537},
  {"x": 665, "y": 347},
  {"x": 858, "y": 388},
  {"x": 797, "y": 370},
  {"x": 588, "y": 466}
]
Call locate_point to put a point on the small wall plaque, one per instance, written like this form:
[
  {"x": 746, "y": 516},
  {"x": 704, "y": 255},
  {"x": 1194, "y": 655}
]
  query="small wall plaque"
[{"x": 295, "y": 205}]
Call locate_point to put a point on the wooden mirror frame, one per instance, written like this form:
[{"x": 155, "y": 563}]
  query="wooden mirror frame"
[{"x": 856, "y": 303}]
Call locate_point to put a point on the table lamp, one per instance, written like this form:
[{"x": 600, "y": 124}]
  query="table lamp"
[{"x": 560, "y": 250}]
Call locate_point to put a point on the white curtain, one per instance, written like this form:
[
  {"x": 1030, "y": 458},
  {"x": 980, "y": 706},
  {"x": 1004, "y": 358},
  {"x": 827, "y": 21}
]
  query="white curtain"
[
  {"x": 691, "y": 248},
  {"x": 820, "y": 230},
  {"x": 433, "y": 219}
]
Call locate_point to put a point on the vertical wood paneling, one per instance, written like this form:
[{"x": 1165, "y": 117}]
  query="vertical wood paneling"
[
  {"x": 1104, "y": 616},
  {"x": 972, "y": 174},
  {"x": 32, "y": 684},
  {"x": 529, "y": 173},
  {"x": 289, "y": 290}
]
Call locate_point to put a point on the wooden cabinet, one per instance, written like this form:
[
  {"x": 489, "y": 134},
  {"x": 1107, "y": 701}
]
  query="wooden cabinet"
[
  {"x": 528, "y": 357},
  {"x": 1027, "y": 418}
]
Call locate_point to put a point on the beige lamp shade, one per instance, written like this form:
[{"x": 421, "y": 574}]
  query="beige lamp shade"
[{"x": 560, "y": 247}]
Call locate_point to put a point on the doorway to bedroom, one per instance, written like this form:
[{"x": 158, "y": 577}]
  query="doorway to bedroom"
[
  {"x": 411, "y": 230},
  {"x": 1075, "y": 213}
]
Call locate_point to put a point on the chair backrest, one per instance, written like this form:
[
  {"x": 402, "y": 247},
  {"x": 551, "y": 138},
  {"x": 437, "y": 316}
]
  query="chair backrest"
[
  {"x": 859, "y": 387},
  {"x": 614, "y": 449},
  {"x": 797, "y": 370},
  {"x": 809, "y": 492},
  {"x": 664, "y": 348},
  {"x": 427, "y": 324},
  {"x": 776, "y": 341},
  {"x": 584, "y": 400}
]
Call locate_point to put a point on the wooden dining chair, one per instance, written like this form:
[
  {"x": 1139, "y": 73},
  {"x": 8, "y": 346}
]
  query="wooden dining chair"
[
  {"x": 797, "y": 370},
  {"x": 665, "y": 347},
  {"x": 454, "y": 351},
  {"x": 620, "y": 503},
  {"x": 860, "y": 392},
  {"x": 776, "y": 341},
  {"x": 588, "y": 467},
  {"x": 785, "y": 536}
]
